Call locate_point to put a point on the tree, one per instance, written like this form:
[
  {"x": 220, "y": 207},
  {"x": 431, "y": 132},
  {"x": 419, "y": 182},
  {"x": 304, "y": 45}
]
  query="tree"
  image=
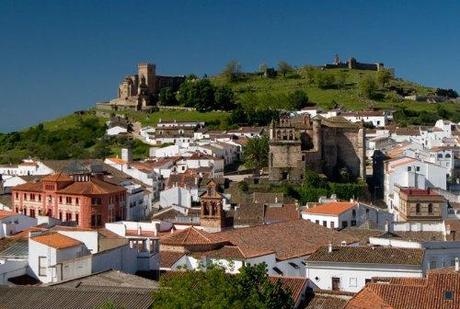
[
  {"x": 198, "y": 94},
  {"x": 298, "y": 100},
  {"x": 224, "y": 98},
  {"x": 368, "y": 87},
  {"x": 284, "y": 68},
  {"x": 232, "y": 71},
  {"x": 255, "y": 152},
  {"x": 167, "y": 96},
  {"x": 383, "y": 77},
  {"x": 213, "y": 288},
  {"x": 325, "y": 80}
]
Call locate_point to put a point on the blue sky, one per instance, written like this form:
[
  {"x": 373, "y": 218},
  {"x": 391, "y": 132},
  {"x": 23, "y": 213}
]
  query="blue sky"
[{"x": 60, "y": 56}]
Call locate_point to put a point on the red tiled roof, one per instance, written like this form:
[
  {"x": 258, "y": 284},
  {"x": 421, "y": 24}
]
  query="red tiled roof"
[
  {"x": 295, "y": 285},
  {"x": 56, "y": 240},
  {"x": 93, "y": 186},
  {"x": 169, "y": 258},
  {"x": 29, "y": 186},
  {"x": 331, "y": 208},
  {"x": 226, "y": 252},
  {"x": 287, "y": 239},
  {"x": 286, "y": 212},
  {"x": 5, "y": 214},
  {"x": 402, "y": 295},
  {"x": 190, "y": 236},
  {"x": 57, "y": 177},
  {"x": 416, "y": 191}
]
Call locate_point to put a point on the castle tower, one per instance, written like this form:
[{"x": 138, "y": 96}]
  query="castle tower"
[{"x": 146, "y": 72}]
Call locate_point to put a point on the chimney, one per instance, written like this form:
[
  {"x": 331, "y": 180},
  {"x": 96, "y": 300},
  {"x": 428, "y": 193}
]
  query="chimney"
[
  {"x": 148, "y": 245},
  {"x": 329, "y": 249},
  {"x": 457, "y": 264}
]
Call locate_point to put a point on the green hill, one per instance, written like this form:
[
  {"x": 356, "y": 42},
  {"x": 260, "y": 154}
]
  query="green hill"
[
  {"x": 344, "y": 91},
  {"x": 258, "y": 99}
]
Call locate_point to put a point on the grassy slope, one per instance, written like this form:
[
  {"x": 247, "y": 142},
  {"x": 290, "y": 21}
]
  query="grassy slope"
[
  {"x": 267, "y": 90},
  {"x": 347, "y": 97}
]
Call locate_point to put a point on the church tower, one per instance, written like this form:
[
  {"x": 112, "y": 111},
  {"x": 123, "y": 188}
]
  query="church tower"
[{"x": 212, "y": 217}]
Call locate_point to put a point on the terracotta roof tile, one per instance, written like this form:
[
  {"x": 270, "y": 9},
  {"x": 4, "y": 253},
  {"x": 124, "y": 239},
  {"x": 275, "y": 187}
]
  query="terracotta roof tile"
[
  {"x": 402, "y": 295},
  {"x": 331, "y": 208},
  {"x": 5, "y": 214},
  {"x": 56, "y": 240},
  {"x": 169, "y": 258},
  {"x": 191, "y": 236},
  {"x": 368, "y": 255},
  {"x": 295, "y": 285},
  {"x": 287, "y": 239},
  {"x": 57, "y": 177},
  {"x": 94, "y": 186}
]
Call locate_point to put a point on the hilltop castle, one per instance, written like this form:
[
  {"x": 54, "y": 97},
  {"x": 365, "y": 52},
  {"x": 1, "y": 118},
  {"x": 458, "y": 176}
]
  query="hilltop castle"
[
  {"x": 139, "y": 91},
  {"x": 324, "y": 145},
  {"x": 352, "y": 63}
]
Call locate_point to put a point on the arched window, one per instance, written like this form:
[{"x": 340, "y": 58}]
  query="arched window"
[
  {"x": 417, "y": 208},
  {"x": 447, "y": 155},
  {"x": 430, "y": 208},
  {"x": 439, "y": 155}
]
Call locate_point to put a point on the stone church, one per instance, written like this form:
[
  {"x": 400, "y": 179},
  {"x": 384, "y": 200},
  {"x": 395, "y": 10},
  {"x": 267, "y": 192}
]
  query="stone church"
[
  {"x": 322, "y": 144},
  {"x": 139, "y": 91}
]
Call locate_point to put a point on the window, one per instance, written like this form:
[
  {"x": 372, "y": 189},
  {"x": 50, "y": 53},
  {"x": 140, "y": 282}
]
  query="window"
[
  {"x": 39, "y": 198},
  {"x": 317, "y": 221},
  {"x": 353, "y": 222},
  {"x": 366, "y": 281},
  {"x": 332, "y": 225},
  {"x": 68, "y": 217},
  {"x": 353, "y": 213},
  {"x": 68, "y": 200},
  {"x": 32, "y": 196},
  {"x": 76, "y": 218},
  {"x": 96, "y": 201},
  {"x": 60, "y": 199},
  {"x": 417, "y": 208},
  {"x": 344, "y": 224},
  {"x": 17, "y": 196},
  {"x": 433, "y": 264},
  {"x": 353, "y": 282},
  {"x": 32, "y": 213},
  {"x": 325, "y": 223},
  {"x": 409, "y": 168},
  {"x": 42, "y": 265},
  {"x": 278, "y": 271},
  {"x": 77, "y": 201},
  {"x": 430, "y": 208},
  {"x": 294, "y": 265},
  {"x": 439, "y": 155},
  {"x": 335, "y": 283},
  {"x": 448, "y": 295},
  {"x": 447, "y": 155},
  {"x": 417, "y": 168},
  {"x": 60, "y": 215}
]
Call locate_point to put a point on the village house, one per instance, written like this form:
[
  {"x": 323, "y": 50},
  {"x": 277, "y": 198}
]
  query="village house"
[
  {"x": 340, "y": 215},
  {"x": 378, "y": 119},
  {"x": 413, "y": 204},
  {"x": 12, "y": 223},
  {"x": 282, "y": 246},
  {"x": 85, "y": 199},
  {"x": 351, "y": 268},
  {"x": 411, "y": 172}
]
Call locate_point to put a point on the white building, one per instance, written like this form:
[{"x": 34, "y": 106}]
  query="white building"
[
  {"x": 339, "y": 215},
  {"x": 350, "y": 268},
  {"x": 116, "y": 130},
  {"x": 12, "y": 223},
  {"x": 28, "y": 167},
  {"x": 410, "y": 172},
  {"x": 379, "y": 119}
]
